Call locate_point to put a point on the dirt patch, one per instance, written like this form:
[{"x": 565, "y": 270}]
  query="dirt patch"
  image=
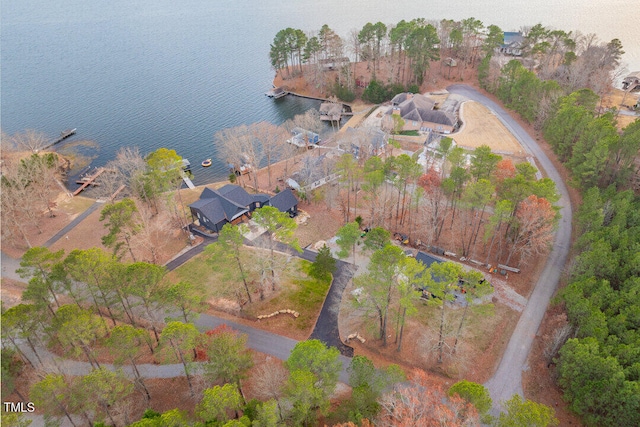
[
  {"x": 87, "y": 234},
  {"x": 11, "y": 292},
  {"x": 481, "y": 127},
  {"x": 621, "y": 100},
  {"x": 65, "y": 210},
  {"x": 321, "y": 225}
]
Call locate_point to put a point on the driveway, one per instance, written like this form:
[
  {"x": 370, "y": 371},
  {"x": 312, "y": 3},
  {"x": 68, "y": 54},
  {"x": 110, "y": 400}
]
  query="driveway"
[
  {"x": 326, "y": 327},
  {"x": 507, "y": 380}
]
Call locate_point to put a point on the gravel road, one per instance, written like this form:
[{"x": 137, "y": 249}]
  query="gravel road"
[{"x": 507, "y": 380}]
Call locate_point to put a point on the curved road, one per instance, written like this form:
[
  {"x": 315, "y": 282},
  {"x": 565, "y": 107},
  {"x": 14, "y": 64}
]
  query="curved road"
[{"x": 507, "y": 380}]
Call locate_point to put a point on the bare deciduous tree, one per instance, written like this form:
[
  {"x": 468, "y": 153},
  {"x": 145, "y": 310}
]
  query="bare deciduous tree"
[
  {"x": 269, "y": 379},
  {"x": 272, "y": 139},
  {"x": 29, "y": 187},
  {"x": 240, "y": 148},
  {"x": 29, "y": 140}
]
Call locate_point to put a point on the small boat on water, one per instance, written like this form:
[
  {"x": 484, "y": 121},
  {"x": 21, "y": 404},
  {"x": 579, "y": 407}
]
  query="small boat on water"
[{"x": 206, "y": 163}]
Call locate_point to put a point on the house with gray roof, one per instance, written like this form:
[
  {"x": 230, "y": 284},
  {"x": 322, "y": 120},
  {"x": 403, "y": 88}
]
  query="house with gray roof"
[
  {"x": 232, "y": 204},
  {"x": 419, "y": 113},
  {"x": 228, "y": 204},
  {"x": 512, "y": 45},
  {"x": 285, "y": 201}
]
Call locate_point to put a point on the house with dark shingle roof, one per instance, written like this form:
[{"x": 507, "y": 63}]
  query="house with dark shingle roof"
[
  {"x": 285, "y": 201},
  {"x": 232, "y": 204},
  {"x": 228, "y": 204},
  {"x": 418, "y": 113},
  {"x": 427, "y": 260}
]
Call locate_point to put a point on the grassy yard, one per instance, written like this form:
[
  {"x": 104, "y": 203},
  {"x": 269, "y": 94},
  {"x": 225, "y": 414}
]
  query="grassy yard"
[
  {"x": 296, "y": 290},
  {"x": 303, "y": 294}
]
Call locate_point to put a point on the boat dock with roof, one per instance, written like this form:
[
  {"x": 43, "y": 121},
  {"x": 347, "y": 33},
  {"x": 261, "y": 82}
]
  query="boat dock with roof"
[{"x": 276, "y": 93}]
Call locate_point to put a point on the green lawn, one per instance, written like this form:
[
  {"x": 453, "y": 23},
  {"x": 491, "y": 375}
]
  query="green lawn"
[
  {"x": 296, "y": 289},
  {"x": 303, "y": 294}
]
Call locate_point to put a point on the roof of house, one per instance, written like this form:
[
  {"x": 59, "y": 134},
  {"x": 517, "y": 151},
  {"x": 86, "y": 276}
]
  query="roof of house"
[
  {"x": 633, "y": 75},
  {"x": 374, "y": 136},
  {"x": 236, "y": 194},
  {"x": 217, "y": 206},
  {"x": 427, "y": 260},
  {"x": 400, "y": 98},
  {"x": 439, "y": 117},
  {"x": 414, "y": 107},
  {"x": 284, "y": 200},
  {"x": 218, "y": 209},
  {"x": 262, "y": 198},
  {"x": 512, "y": 39}
]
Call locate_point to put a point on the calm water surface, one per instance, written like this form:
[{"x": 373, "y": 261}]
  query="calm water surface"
[{"x": 158, "y": 73}]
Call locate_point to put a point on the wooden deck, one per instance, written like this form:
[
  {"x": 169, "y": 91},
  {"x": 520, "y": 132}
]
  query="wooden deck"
[
  {"x": 89, "y": 181},
  {"x": 186, "y": 180}
]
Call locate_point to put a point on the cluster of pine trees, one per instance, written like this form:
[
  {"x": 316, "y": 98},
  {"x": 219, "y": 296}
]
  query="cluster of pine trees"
[{"x": 599, "y": 367}]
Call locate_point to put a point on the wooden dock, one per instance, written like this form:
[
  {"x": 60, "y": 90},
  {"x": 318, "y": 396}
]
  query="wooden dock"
[
  {"x": 63, "y": 135},
  {"x": 276, "y": 93},
  {"x": 187, "y": 181},
  {"x": 118, "y": 191},
  {"x": 87, "y": 181}
]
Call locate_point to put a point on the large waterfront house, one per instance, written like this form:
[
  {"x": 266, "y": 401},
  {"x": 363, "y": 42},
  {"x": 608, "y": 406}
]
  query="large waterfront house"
[
  {"x": 232, "y": 204},
  {"x": 419, "y": 114},
  {"x": 632, "y": 81},
  {"x": 513, "y": 43}
]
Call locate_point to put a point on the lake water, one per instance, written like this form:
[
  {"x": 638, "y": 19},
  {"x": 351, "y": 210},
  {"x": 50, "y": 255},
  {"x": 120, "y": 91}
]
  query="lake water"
[{"x": 166, "y": 73}]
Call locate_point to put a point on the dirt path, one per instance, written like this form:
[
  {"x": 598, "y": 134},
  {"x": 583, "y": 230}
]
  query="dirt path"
[{"x": 507, "y": 380}]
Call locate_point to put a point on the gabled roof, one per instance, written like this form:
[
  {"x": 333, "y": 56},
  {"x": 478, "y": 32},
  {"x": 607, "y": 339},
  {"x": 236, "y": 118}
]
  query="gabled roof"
[
  {"x": 513, "y": 39},
  {"x": 216, "y": 206},
  {"x": 236, "y": 194},
  {"x": 414, "y": 107},
  {"x": 330, "y": 108},
  {"x": 284, "y": 200},
  {"x": 261, "y": 198},
  {"x": 439, "y": 117},
  {"x": 217, "y": 210},
  {"x": 400, "y": 98},
  {"x": 375, "y": 136}
]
